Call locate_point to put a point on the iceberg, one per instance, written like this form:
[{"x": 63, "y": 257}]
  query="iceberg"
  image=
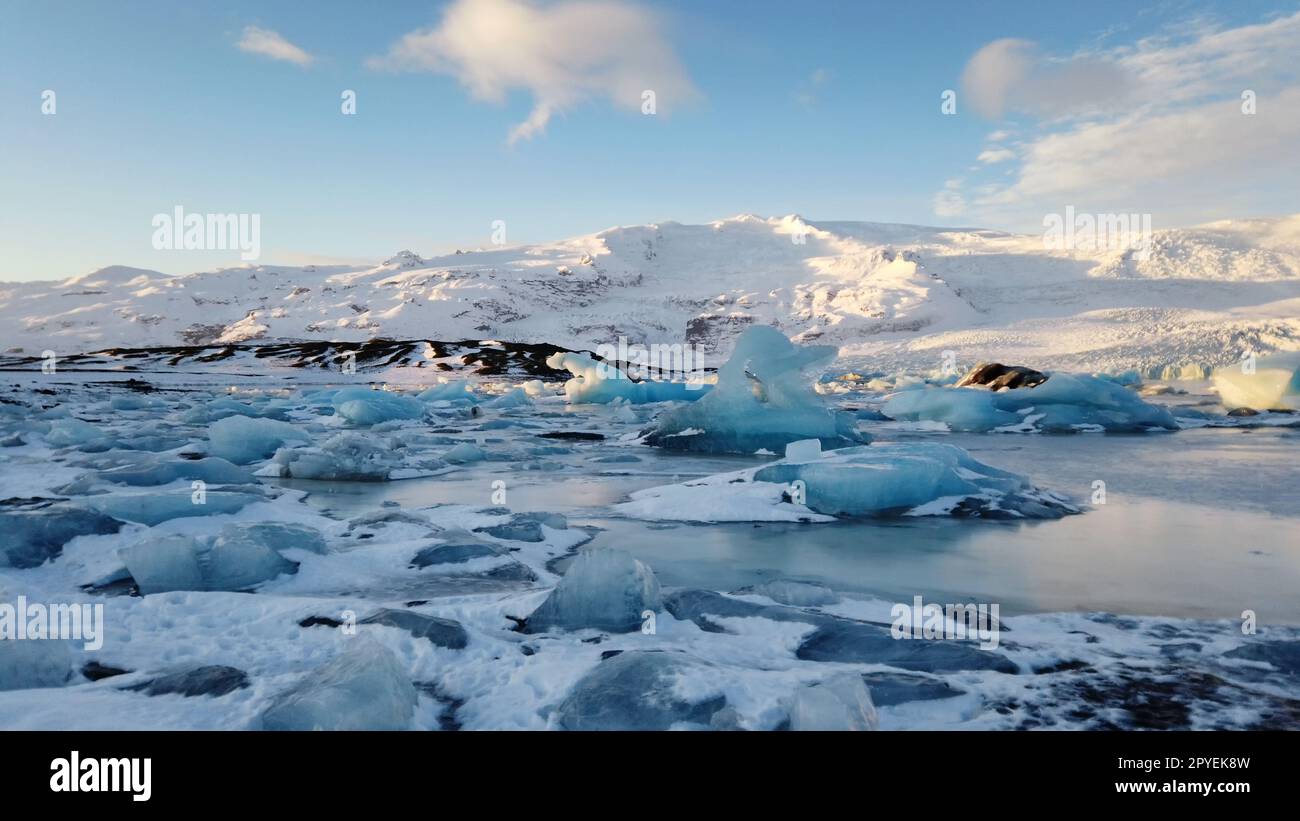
[
  {"x": 454, "y": 392},
  {"x": 155, "y": 508},
  {"x": 1063, "y": 403},
  {"x": 162, "y": 471},
  {"x": 1274, "y": 383},
  {"x": 243, "y": 439},
  {"x": 517, "y": 398},
  {"x": 911, "y": 478},
  {"x": 761, "y": 403},
  {"x": 240, "y": 557},
  {"x": 604, "y": 589},
  {"x": 841, "y": 702},
  {"x": 32, "y": 537},
  {"x": 600, "y": 383},
  {"x": 365, "y": 688},
  {"x": 636, "y": 690},
  {"x": 77, "y": 434},
  {"x": 365, "y": 407},
  {"x": 349, "y": 456}
]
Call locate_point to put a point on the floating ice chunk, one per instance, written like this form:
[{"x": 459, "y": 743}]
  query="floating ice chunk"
[
  {"x": 454, "y": 392},
  {"x": 365, "y": 688},
  {"x": 805, "y": 450},
  {"x": 894, "y": 478},
  {"x": 600, "y": 383},
  {"x": 464, "y": 453},
  {"x": 362, "y": 406},
  {"x": 31, "y": 663},
  {"x": 517, "y": 398},
  {"x": 77, "y": 434},
  {"x": 1274, "y": 383},
  {"x": 913, "y": 478},
  {"x": 637, "y": 690},
  {"x": 243, "y": 439},
  {"x": 162, "y": 471},
  {"x": 840, "y": 702},
  {"x": 534, "y": 388},
  {"x": 526, "y": 527},
  {"x": 236, "y": 560},
  {"x": 761, "y": 402},
  {"x": 158, "y": 507},
  {"x": 603, "y": 589},
  {"x": 166, "y": 563},
  {"x": 32, "y": 537},
  {"x": 1064, "y": 403},
  {"x": 278, "y": 536},
  {"x": 350, "y": 456},
  {"x": 794, "y": 593}
]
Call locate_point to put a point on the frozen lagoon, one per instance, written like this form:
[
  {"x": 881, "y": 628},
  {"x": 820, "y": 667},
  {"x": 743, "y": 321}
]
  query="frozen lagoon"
[{"x": 1198, "y": 525}]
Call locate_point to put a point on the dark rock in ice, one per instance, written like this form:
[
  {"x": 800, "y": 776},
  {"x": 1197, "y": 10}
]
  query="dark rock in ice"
[
  {"x": 995, "y": 376},
  {"x": 574, "y": 435},
  {"x": 95, "y": 671},
  {"x": 208, "y": 680},
  {"x": 442, "y": 632},
  {"x": 32, "y": 537},
  {"x": 635, "y": 691},
  {"x": 14, "y": 441},
  {"x": 511, "y": 572},
  {"x": 323, "y": 621}
]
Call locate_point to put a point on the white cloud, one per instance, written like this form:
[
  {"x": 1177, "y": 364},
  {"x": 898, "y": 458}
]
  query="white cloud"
[
  {"x": 1165, "y": 133},
  {"x": 949, "y": 202},
  {"x": 1013, "y": 75},
  {"x": 562, "y": 53},
  {"x": 271, "y": 44},
  {"x": 989, "y": 156}
]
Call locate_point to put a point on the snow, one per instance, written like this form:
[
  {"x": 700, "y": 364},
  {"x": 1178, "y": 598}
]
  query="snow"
[
  {"x": 761, "y": 402},
  {"x": 900, "y": 295},
  {"x": 1273, "y": 383},
  {"x": 33, "y": 663},
  {"x": 603, "y": 589}
]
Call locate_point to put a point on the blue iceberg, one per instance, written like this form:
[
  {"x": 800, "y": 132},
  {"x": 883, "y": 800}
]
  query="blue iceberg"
[{"x": 762, "y": 402}]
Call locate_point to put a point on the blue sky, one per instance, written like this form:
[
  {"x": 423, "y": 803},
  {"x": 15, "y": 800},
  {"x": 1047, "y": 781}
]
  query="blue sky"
[{"x": 827, "y": 109}]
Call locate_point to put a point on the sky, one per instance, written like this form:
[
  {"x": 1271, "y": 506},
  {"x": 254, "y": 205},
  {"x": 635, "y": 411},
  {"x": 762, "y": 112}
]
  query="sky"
[{"x": 471, "y": 115}]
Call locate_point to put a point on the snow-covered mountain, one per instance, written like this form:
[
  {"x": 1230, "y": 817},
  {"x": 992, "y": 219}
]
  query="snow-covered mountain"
[{"x": 895, "y": 294}]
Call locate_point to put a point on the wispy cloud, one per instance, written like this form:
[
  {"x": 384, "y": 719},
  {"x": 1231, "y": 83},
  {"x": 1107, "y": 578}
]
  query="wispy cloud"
[
  {"x": 563, "y": 54},
  {"x": 271, "y": 44},
  {"x": 1158, "y": 126}
]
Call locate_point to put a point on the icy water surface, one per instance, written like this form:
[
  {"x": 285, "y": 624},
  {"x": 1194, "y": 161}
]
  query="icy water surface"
[{"x": 1203, "y": 523}]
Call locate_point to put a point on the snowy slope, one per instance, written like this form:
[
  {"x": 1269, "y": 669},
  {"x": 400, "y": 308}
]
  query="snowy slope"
[{"x": 895, "y": 295}]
